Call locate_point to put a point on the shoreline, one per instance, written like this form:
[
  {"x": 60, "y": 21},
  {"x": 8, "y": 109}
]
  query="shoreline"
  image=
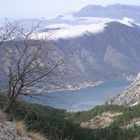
[{"x": 80, "y": 86}]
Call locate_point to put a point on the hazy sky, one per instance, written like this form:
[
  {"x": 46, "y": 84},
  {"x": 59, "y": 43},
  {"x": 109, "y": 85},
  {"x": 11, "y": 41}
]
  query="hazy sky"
[{"x": 49, "y": 8}]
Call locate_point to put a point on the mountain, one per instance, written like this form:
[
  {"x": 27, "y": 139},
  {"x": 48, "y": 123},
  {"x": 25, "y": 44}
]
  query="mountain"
[
  {"x": 130, "y": 97},
  {"x": 94, "y": 53},
  {"x": 107, "y": 55},
  {"x": 117, "y": 11}
]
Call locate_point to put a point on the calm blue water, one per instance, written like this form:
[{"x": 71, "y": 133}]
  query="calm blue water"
[{"x": 82, "y": 99}]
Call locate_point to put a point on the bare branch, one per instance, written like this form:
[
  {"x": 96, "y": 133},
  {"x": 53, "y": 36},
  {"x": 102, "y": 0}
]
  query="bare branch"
[{"x": 26, "y": 62}]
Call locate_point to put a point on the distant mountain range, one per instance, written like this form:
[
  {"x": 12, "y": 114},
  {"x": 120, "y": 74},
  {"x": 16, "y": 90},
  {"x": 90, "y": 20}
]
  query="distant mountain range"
[{"x": 117, "y": 11}]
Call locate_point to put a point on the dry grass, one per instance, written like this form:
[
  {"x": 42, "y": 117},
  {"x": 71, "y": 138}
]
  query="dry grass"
[
  {"x": 20, "y": 128},
  {"x": 2, "y": 117},
  {"x": 36, "y": 136}
]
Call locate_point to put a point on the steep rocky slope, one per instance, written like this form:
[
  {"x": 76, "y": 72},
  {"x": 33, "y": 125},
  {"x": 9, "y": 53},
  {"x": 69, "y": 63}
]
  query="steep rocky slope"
[{"x": 130, "y": 97}]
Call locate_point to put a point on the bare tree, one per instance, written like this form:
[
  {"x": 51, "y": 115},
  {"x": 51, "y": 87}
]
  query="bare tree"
[
  {"x": 7, "y": 30},
  {"x": 26, "y": 64}
]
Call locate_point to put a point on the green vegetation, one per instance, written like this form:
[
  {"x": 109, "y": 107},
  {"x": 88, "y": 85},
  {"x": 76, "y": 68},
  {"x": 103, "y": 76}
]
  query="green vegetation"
[
  {"x": 60, "y": 125},
  {"x": 80, "y": 117}
]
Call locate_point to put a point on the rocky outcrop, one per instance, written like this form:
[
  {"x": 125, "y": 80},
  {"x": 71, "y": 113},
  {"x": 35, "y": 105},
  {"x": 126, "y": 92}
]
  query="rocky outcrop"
[
  {"x": 8, "y": 132},
  {"x": 16, "y": 130},
  {"x": 101, "y": 121},
  {"x": 130, "y": 97},
  {"x": 133, "y": 123}
]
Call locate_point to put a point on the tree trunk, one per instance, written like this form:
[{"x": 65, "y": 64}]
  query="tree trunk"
[{"x": 7, "y": 106}]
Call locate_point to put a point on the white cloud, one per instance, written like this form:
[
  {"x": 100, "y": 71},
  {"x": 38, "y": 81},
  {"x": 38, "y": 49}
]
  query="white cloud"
[
  {"x": 70, "y": 31},
  {"x": 58, "y": 26},
  {"x": 88, "y": 25},
  {"x": 127, "y": 21}
]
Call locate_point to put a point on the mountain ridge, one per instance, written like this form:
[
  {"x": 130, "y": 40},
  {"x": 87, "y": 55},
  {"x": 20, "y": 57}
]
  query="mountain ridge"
[
  {"x": 91, "y": 58},
  {"x": 117, "y": 11},
  {"x": 102, "y": 56}
]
